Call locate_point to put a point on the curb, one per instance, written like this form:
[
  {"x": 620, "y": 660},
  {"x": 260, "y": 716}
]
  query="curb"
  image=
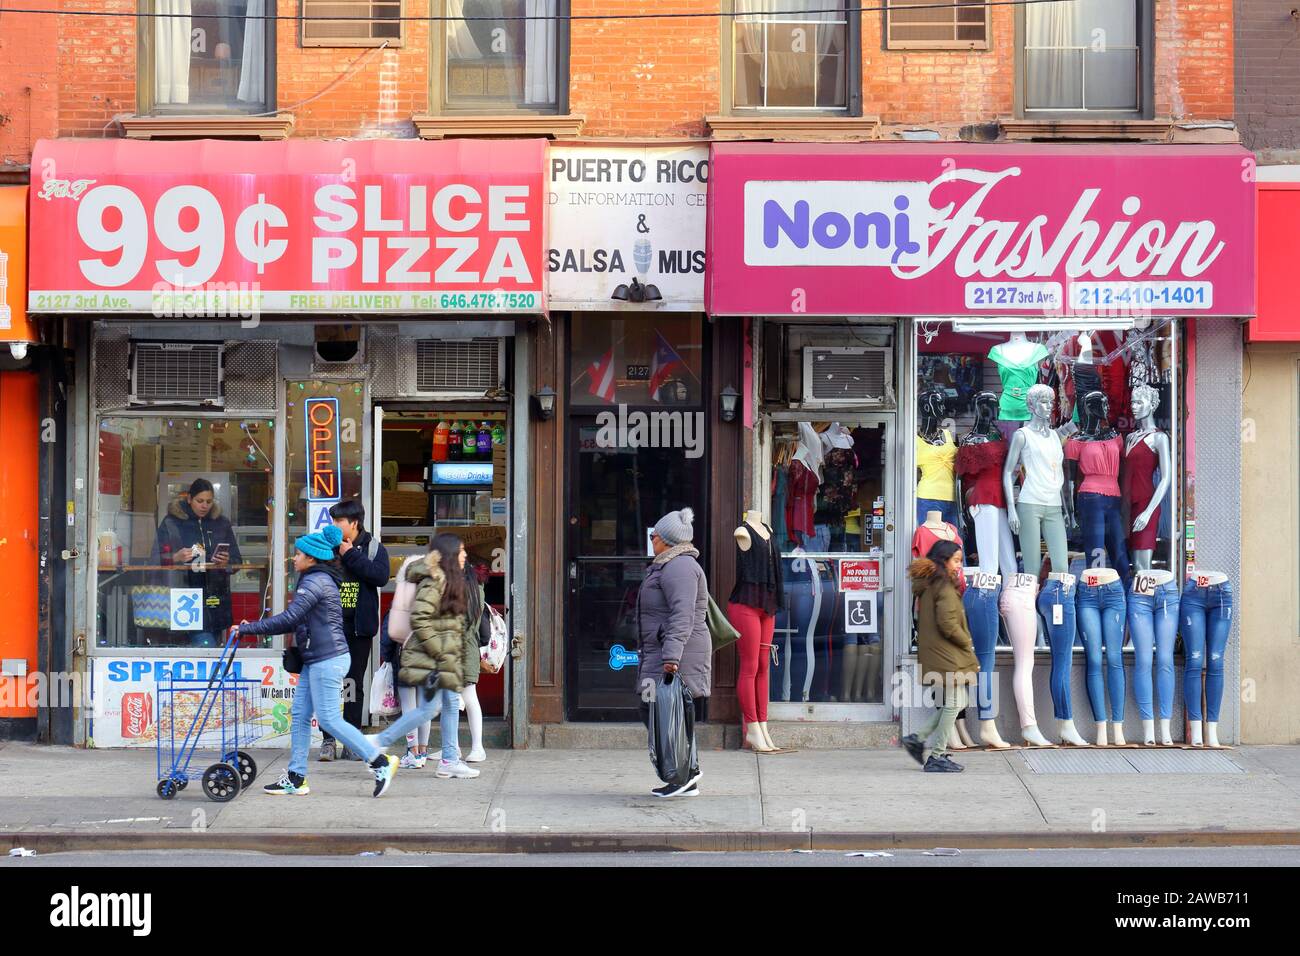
[{"x": 352, "y": 842}]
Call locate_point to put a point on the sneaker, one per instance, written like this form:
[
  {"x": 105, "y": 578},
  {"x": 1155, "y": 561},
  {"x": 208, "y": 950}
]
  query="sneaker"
[
  {"x": 940, "y": 763},
  {"x": 384, "y": 774},
  {"x": 672, "y": 790},
  {"x": 326, "y": 751},
  {"x": 412, "y": 761},
  {"x": 285, "y": 787},
  {"x": 349, "y": 755},
  {"x": 476, "y": 755},
  {"x": 458, "y": 770},
  {"x": 915, "y": 747}
]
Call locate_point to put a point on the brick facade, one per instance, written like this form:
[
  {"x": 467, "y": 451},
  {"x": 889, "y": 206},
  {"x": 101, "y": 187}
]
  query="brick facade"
[
  {"x": 635, "y": 78},
  {"x": 1268, "y": 77}
]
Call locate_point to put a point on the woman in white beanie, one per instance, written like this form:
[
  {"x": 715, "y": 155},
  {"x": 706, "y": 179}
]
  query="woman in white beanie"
[{"x": 673, "y": 608}]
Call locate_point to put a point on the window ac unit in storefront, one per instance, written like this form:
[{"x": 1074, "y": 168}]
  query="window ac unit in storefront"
[
  {"x": 177, "y": 373},
  {"x": 846, "y": 376},
  {"x": 452, "y": 367}
]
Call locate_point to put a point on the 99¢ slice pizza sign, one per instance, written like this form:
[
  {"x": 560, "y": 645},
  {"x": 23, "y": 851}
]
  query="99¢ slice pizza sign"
[{"x": 192, "y": 228}]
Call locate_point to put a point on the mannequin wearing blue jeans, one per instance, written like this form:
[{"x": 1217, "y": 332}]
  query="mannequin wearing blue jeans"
[
  {"x": 981, "y": 605},
  {"x": 1153, "y": 625},
  {"x": 1206, "y": 627},
  {"x": 1101, "y": 611},
  {"x": 1059, "y": 592}
]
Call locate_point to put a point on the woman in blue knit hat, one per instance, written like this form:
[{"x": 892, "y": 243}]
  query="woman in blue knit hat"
[{"x": 315, "y": 618}]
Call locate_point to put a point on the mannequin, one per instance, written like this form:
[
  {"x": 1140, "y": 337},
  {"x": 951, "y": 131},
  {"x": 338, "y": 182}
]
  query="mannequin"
[
  {"x": 837, "y": 495},
  {"x": 1153, "y": 605},
  {"x": 1056, "y": 605},
  {"x": 803, "y": 479},
  {"x": 936, "y": 456},
  {"x": 1206, "y": 625},
  {"x": 1146, "y": 451},
  {"x": 980, "y": 458},
  {"x": 1101, "y": 612},
  {"x": 1041, "y": 510},
  {"x": 980, "y": 600},
  {"x": 1094, "y": 455},
  {"x": 757, "y": 596},
  {"x": 1017, "y": 361},
  {"x": 1087, "y": 377}
]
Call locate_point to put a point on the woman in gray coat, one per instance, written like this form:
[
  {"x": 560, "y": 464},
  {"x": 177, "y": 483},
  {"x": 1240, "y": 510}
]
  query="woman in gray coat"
[{"x": 673, "y": 605}]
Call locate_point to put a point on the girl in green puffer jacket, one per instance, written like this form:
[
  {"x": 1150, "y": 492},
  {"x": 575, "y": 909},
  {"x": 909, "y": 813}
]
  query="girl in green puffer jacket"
[{"x": 432, "y": 657}]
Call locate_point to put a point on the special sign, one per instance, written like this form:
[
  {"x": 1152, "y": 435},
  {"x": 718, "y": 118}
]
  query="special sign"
[
  {"x": 324, "y": 472},
  {"x": 193, "y": 229}
]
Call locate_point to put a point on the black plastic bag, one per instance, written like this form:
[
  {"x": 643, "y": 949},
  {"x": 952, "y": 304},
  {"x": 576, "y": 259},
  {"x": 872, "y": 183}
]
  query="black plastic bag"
[{"x": 672, "y": 730}]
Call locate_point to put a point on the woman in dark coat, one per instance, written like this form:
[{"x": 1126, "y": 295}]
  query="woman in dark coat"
[
  {"x": 945, "y": 651},
  {"x": 194, "y": 523},
  {"x": 672, "y": 610}
]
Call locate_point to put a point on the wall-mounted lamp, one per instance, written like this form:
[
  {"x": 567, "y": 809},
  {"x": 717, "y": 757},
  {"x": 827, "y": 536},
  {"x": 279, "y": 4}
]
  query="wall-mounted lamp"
[
  {"x": 544, "y": 403},
  {"x": 730, "y": 399},
  {"x": 636, "y": 292}
]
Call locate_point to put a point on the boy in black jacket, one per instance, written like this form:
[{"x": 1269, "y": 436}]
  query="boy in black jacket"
[{"x": 365, "y": 571}]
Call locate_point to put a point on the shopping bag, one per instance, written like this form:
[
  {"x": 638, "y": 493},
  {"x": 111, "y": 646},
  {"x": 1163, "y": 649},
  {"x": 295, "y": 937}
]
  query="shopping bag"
[
  {"x": 672, "y": 743},
  {"x": 721, "y": 631},
  {"x": 492, "y": 656},
  {"x": 383, "y": 696}
]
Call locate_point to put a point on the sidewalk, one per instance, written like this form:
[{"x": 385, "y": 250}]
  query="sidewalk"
[{"x": 59, "y": 798}]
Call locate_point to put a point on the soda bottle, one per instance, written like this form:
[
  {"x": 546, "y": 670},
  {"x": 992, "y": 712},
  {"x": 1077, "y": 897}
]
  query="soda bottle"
[
  {"x": 440, "y": 442},
  {"x": 498, "y": 434},
  {"x": 468, "y": 442},
  {"x": 485, "y": 441},
  {"x": 454, "y": 450}
]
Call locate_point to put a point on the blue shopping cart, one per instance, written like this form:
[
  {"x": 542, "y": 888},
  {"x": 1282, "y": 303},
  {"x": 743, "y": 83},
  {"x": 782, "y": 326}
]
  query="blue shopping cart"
[{"x": 213, "y": 714}]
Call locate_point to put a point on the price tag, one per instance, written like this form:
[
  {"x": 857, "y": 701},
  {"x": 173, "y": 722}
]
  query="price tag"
[
  {"x": 1024, "y": 581},
  {"x": 1058, "y": 614},
  {"x": 1144, "y": 584},
  {"x": 1202, "y": 580},
  {"x": 985, "y": 582}
]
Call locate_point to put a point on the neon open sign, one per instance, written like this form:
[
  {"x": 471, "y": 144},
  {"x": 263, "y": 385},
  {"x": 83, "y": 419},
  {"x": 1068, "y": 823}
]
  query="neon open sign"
[{"x": 324, "y": 474}]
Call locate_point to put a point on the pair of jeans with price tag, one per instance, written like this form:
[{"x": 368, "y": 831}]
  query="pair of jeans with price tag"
[
  {"x": 981, "y": 606},
  {"x": 1206, "y": 627},
  {"x": 1056, "y": 603},
  {"x": 1153, "y": 625},
  {"x": 1101, "y": 611}
]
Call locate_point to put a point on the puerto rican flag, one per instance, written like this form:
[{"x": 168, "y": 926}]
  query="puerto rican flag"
[
  {"x": 602, "y": 376},
  {"x": 665, "y": 362}
]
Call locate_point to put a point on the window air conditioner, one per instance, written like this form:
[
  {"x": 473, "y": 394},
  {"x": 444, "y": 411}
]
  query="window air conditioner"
[{"x": 846, "y": 376}]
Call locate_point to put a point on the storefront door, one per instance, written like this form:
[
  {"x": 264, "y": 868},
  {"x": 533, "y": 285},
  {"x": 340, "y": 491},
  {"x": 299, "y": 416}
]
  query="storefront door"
[
  {"x": 835, "y": 638},
  {"x": 616, "y": 496}
]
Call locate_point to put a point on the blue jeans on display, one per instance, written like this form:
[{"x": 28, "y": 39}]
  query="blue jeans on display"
[
  {"x": 790, "y": 632},
  {"x": 1153, "y": 625},
  {"x": 947, "y": 508},
  {"x": 449, "y": 722},
  {"x": 1102, "y": 522},
  {"x": 1206, "y": 627},
  {"x": 320, "y": 687},
  {"x": 820, "y": 542},
  {"x": 1061, "y": 637},
  {"x": 1101, "y": 613},
  {"x": 982, "y": 616}
]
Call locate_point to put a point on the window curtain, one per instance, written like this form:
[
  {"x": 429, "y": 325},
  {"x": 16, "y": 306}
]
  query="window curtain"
[
  {"x": 786, "y": 69},
  {"x": 171, "y": 52},
  {"x": 1053, "y": 78},
  {"x": 472, "y": 40},
  {"x": 1095, "y": 63},
  {"x": 540, "y": 68},
  {"x": 252, "y": 68}
]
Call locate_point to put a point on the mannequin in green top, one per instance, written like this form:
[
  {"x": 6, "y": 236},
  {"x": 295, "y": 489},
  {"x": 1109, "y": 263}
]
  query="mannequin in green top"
[{"x": 1017, "y": 361}]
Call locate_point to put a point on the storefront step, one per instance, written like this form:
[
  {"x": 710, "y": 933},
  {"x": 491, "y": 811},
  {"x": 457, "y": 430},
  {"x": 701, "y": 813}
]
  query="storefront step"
[{"x": 804, "y": 735}]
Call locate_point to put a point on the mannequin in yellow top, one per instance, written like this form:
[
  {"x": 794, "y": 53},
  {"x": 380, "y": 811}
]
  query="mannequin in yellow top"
[{"x": 936, "y": 461}]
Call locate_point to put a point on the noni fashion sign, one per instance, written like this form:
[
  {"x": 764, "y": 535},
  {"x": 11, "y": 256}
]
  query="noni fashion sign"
[
  {"x": 622, "y": 214},
  {"x": 959, "y": 229},
  {"x": 228, "y": 228}
]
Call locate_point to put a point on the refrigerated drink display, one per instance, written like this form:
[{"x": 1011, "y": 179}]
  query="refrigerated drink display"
[{"x": 440, "y": 437}]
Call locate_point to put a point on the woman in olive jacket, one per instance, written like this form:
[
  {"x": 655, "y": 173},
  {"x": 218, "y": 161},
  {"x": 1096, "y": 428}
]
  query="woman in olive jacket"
[
  {"x": 433, "y": 657},
  {"x": 945, "y": 652}
]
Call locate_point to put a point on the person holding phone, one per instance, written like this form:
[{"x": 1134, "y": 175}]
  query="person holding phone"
[{"x": 195, "y": 532}]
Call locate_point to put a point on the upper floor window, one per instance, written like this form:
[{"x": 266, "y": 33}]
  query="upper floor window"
[
  {"x": 793, "y": 55},
  {"x": 501, "y": 56},
  {"x": 1085, "y": 58},
  {"x": 207, "y": 56}
]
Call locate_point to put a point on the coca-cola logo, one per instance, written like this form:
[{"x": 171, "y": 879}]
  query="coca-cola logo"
[{"x": 137, "y": 714}]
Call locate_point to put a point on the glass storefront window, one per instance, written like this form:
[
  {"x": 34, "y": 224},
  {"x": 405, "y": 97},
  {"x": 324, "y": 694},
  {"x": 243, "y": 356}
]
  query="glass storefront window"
[
  {"x": 183, "y": 536},
  {"x": 971, "y": 391},
  {"x": 636, "y": 361},
  {"x": 323, "y": 457},
  {"x": 829, "y": 516}
]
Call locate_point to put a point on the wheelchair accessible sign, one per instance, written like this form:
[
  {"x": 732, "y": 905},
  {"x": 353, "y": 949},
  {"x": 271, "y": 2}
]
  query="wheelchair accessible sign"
[{"x": 860, "y": 583}]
